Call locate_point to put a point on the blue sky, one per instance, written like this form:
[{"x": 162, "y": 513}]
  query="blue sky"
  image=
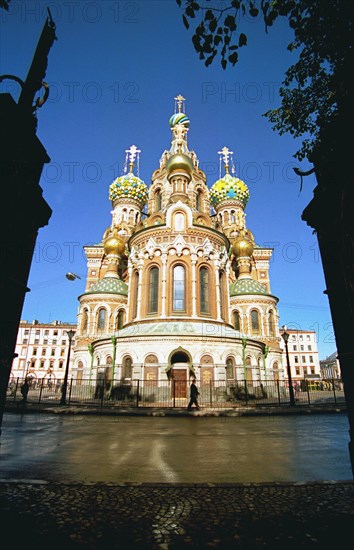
[{"x": 113, "y": 74}]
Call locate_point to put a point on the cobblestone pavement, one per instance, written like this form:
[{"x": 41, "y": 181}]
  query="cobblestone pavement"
[{"x": 275, "y": 516}]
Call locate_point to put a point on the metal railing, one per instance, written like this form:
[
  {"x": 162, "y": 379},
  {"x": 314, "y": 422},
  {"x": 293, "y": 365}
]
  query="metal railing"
[{"x": 175, "y": 393}]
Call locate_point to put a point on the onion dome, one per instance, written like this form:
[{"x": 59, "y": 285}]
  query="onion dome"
[
  {"x": 242, "y": 246},
  {"x": 229, "y": 188},
  {"x": 109, "y": 285},
  {"x": 130, "y": 187},
  {"x": 179, "y": 161},
  {"x": 247, "y": 286},
  {"x": 179, "y": 118},
  {"x": 114, "y": 244}
]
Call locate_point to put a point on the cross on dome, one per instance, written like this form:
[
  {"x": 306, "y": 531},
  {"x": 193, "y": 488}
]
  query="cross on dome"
[
  {"x": 179, "y": 102},
  {"x": 133, "y": 151}
]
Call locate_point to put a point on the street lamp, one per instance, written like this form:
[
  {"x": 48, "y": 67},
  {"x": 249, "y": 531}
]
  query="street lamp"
[
  {"x": 285, "y": 336},
  {"x": 70, "y": 334}
]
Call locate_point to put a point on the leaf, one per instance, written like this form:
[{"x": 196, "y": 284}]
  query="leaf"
[
  {"x": 209, "y": 60},
  {"x": 223, "y": 63},
  {"x": 217, "y": 39},
  {"x": 185, "y": 21},
  {"x": 230, "y": 22},
  {"x": 233, "y": 58},
  {"x": 212, "y": 25},
  {"x": 235, "y": 4},
  {"x": 209, "y": 15},
  {"x": 195, "y": 6},
  {"x": 254, "y": 12},
  {"x": 179, "y": 2},
  {"x": 242, "y": 41},
  {"x": 190, "y": 12}
]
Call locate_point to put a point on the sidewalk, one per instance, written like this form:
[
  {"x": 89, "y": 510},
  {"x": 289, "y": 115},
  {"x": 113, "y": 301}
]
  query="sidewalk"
[
  {"x": 171, "y": 516},
  {"x": 285, "y": 516}
]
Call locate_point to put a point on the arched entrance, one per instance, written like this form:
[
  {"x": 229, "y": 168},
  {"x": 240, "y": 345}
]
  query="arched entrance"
[{"x": 181, "y": 369}]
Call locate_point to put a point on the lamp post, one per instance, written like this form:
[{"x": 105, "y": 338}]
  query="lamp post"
[
  {"x": 285, "y": 336},
  {"x": 70, "y": 334}
]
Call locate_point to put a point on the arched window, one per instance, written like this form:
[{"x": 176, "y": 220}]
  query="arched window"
[
  {"x": 198, "y": 201},
  {"x": 254, "y": 321},
  {"x": 120, "y": 319},
  {"x": 179, "y": 282},
  {"x": 127, "y": 368},
  {"x": 179, "y": 221},
  {"x": 204, "y": 289},
  {"x": 158, "y": 200},
  {"x": 222, "y": 294},
  {"x": 271, "y": 323},
  {"x": 153, "y": 290},
  {"x": 101, "y": 319},
  {"x": 237, "y": 323},
  {"x": 135, "y": 294},
  {"x": 229, "y": 369},
  {"x": 84, "y": 320}
]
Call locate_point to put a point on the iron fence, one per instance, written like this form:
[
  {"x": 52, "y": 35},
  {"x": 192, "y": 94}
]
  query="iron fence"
[{"x": 175, "y": 393}]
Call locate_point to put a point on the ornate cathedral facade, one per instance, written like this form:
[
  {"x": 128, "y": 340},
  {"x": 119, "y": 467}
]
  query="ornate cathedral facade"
[{"x": 178, "y": 287}]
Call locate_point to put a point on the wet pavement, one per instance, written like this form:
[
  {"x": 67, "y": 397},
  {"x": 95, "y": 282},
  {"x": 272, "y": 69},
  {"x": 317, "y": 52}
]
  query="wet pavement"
[{"x": 141, "y": 483}]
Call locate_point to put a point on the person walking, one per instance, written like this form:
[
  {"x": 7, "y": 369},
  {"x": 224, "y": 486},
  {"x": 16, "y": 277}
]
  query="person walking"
[
  {"x": 193, "y": 396},
  {"x": 24, "y": 392}
]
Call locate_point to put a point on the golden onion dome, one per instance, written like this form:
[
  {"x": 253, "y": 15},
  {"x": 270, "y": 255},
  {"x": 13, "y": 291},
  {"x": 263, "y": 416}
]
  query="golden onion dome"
[
  {"x": 179, "y": 161},
  {"x": 114, "y": 244},
  {"x": 242, "y": 246}
]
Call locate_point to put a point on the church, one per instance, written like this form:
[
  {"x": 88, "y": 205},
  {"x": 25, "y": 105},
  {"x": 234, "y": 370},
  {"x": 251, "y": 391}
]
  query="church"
[{"x": 178, "y": 287}]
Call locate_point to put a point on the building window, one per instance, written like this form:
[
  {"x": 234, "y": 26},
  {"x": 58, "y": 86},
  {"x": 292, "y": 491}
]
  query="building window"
[
  {"x": 301, "y": 348},
  {"x": 204, "y": 289},
  {"x": 222, "y": 294},
  {"x": 34, "y": 351},
  {"x": 61, "y": 364},
  {"x": 36, "y": 341},
  {"x": 255, "y": 321},
  {"x": 179, "y": 280},
  {"x": 158, "y": 200},
  {"x": 101, "y": 321},
  {"x": 45, "y": 342},
  {"x": 120, "y": 319},
  {"x": 312, "y": 369},
  {"x": 199, "y": 201},
  {"x": 46, "y": 332},
  {"x": 41, "y": 365},
  {"x": 309, "y": 348},
  {"x": 297, "y": 370},
  {"x": 311, "y": 358},
  {"x": 55, "y": 333},
  {"x": 271, "y": 324},
  {"x": 52, "y": 352},
  {"x": 25, "y": 341},
  {"x": 62, "y": 352},
  {"x": 296, "y": 359},
  {"x": 179, "y": 221},
  {"x": 135, "y": 294},
  {"x": 84, "y": 320},
  {"x": 44, "y": 351},
  {"x": 54, "y": 343},
  {"x": 294, "y": 348},
  {"x": 303, "y": 358},
  {"x": 153, "y": 290},
  {"x": 127, "y": 368},
  {"x": 305, "y": 370},
  {"x": 237, "y": 323},
  {"x": 27, "y": 331}
]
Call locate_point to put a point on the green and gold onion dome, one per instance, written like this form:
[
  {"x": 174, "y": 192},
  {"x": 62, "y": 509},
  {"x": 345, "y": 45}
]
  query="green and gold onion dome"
[
  {"x": 109, "y": 285},
  {"x": 229, "y": 188},
  {"x": 129, "y": 186},
  {"x": 247, "y": 286}
]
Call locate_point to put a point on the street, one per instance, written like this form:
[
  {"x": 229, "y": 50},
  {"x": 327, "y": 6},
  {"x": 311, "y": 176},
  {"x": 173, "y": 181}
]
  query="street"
[{"x": 81, "y": 448}]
